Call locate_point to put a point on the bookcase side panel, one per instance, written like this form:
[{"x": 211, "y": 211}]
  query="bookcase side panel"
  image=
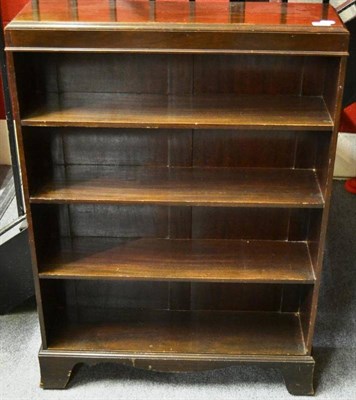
[
  {"x": 333, "y": 91},
  {"x": 16, "y": 102}
]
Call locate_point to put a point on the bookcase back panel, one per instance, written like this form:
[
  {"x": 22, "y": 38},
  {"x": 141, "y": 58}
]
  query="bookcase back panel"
[
  {"x": 246, "y": 74},
  {"x": 250, "y": 223},
  {"x": 170, "y": 74},
  {"x": 124, "y": 73},
  {"x": 71, "y": 296},
  {"x": 49, "y": 149},
  {"x": 126, "y": 147},
  {"x": 252, "y": 297},
  {"x": 91, "y": 220},
  {"x": 258, "y": 149}
]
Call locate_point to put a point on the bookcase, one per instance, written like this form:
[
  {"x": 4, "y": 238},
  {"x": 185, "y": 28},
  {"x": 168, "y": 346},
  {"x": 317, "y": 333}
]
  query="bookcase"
[{"x": 177, "y": 161}]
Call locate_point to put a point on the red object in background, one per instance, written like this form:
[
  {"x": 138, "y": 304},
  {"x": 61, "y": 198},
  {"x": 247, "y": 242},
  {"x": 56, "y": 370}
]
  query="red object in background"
[
  {"x": 9, "y": 9},
  {"x": 348, "y": 119},
  {"x": 350, "y": 185}
]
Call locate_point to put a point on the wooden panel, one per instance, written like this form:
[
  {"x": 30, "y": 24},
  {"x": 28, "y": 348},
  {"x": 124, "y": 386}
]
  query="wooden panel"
[
  {"x": 179, "y": 332},
  {"x": 179, "y": 295},
  {"x": 299, "y": 221},
  {"x": 307, "y": 313},
  {"x": 173, "y": 27},
  {"x": 144, "y": 295},
  {"x": 154, "y": 111},
  {"x": 323, "y": 163},
  {"x": 233, "y": 148},
  {"x": 112, "y": 73},
  {"x": 289, "y": 16},
  {"x": 53, "y": 297},
  {"x": 182, "y": 260},
  {"x": 333, "y": 93},
  {"x": 188, "y": 40},
  {"x": 314, "y": 73},
  {"x": 254, "y": 187},
  {"x": 180, "y": 222},
  {"x": 79, "y": 146},
  {"x": 213, "y": 148},
  {"x": 124, "y": 221},
  {"x": 126, "y": 73},
  {"x": 292, "y": 297},
  {"x": 171, "y": 74},
  {"x": 109, "y": 147},
  {"x": 314, "y": 237},
  {"x": 246, "y": 74},
  {"x": 46, "y": 225},
  {"x": 237, "y": 296},
  {"x": 331, "y": 87},
  {"x": 306, "y": 148},
  {"x": 41, "y": 151},
  {"x": 239, "y": 223},
  {"x": 127, "y": 147}
]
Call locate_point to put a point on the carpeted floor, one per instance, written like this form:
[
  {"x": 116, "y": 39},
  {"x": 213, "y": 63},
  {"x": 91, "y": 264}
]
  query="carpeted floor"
[{"x": 334, "y": 345}]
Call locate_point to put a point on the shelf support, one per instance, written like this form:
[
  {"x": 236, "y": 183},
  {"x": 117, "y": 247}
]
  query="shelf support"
[
  {"x": 56, "y": 371},
  {"x": 298, "y": 378}
]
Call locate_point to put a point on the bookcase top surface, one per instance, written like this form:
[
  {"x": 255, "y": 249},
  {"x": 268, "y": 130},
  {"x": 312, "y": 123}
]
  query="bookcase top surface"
[
  {"x": 177, "y": 26},
  {"x": 178, "y": 14}
]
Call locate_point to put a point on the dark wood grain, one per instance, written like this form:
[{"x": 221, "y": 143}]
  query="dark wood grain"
[
  {"x": 253, "y": 223},
  {"x": 246, "y": 74},
  {"x": 156, "y": 111},
  {"x": 72, "y": 294},
  {"x": 183, "y": 40},
  {"x": 259, "y": 149},
  {"x": 212, "y": 13},
  {"x": 168, "y": 74},
  {"x": 299, "y": 379},
  {"x": 218, "y": 296},
  {"x": 183, "y": 186},
  {"x": 334, "y": 94},
  {"x": 57, "y": 366},
  {"x": 181, "y": 260},
  {"x": 180, "y": 332},
  {"x": 52, "y": 220},
  {"x": 176, "y": 27}
]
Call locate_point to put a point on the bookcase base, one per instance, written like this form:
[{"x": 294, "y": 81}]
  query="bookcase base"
[{"x": 57, "y": 367}]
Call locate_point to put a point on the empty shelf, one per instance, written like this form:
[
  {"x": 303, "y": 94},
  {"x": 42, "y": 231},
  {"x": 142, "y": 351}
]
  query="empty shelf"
[
  {"x": 175, "y": 333},
  {"x": 265, "y": 187},
  {"x": 158, "y": 111},
  {"x": 179, "y": 260}
]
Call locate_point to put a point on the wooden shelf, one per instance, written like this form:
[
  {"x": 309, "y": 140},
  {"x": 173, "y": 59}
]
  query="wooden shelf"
[
  {"x": 265, "y": 187},
  {"x": 158, "y": 111},
  {"x": 179, "y": 260},
  {"x": 180, "y": 332}
]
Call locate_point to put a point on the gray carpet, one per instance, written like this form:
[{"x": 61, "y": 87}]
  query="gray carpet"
[{"x": 334, "y": 345}]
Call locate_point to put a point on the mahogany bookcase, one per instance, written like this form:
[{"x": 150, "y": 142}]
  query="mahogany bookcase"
[{"x": 177, "y": 160}]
